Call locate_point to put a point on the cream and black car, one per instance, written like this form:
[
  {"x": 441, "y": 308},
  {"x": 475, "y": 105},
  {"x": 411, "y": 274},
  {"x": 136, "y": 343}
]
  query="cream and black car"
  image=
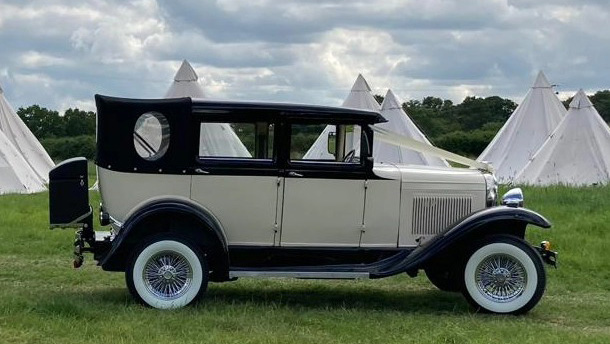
[{"x": 179, "y": 214}]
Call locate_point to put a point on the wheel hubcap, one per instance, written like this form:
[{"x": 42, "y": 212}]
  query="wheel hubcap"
[
  {"x": 167, "y": 275},
  {"x": 501, "y": 278}
]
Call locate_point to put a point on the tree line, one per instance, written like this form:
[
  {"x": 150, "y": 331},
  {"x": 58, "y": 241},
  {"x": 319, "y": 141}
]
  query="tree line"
[
  {"x": 465, "y": 128},
  {"x": 63, "y": 136}
]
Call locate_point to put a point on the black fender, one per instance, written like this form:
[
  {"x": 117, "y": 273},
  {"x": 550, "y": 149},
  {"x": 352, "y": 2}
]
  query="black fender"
[
  {"x": 114, "y": 260},
  {"x": 496, "y": 220}
]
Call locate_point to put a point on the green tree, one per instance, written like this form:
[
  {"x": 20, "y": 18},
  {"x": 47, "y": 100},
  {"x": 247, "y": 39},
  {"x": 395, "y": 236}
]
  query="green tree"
[
  {"x": 474, "y": 112},
  {"x": 601, "y": 101},
  {"x": 42, "y": 121},
  {"x": 379, "y": 98},
  {"x": 78, "y": 122}
]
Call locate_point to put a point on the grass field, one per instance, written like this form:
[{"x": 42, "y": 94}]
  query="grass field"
[{"x": 44, "y": 300}]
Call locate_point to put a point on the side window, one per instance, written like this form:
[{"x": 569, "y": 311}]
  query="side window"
[
  {"x": 325, "y": 143},
  {"x": 151, "y": 136},
  {"x": 238, "y": 140}
]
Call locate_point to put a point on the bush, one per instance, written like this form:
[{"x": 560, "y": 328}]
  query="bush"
[
  {"x": 469, "y": 144},
  {"x": 61, "y": 148}
]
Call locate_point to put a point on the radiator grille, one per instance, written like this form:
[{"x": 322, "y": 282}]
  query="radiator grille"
[{"x": 432, "y": 214}]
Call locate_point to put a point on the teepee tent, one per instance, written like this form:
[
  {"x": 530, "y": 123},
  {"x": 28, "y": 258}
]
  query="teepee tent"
[
  {"x": 24, "y": 141},
  {"x": 16, "y": 175},
  {"x": 576, "y": 153},
  {"x": 360, "y": 97},
  {"x": 216, "y": 139},
  {"x": 186, "y": 83},
  {"x": 525, "y": 131},
  {"x": 399, "y": 122}
]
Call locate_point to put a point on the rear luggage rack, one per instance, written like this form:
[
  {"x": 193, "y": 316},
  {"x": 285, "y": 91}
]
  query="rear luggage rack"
[{"x": 69, "y": 204}]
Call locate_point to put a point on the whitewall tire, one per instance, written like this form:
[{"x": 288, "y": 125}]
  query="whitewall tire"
[
  {"x": 167, "y": 273},
  {"x": 504, "y": 275}
]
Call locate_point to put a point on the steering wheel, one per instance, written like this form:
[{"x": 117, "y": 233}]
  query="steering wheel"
[{"x": 349, "y": 157}]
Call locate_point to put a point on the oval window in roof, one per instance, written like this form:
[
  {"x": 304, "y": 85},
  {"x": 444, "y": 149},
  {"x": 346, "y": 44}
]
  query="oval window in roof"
[{"x": 151, "y": 136}]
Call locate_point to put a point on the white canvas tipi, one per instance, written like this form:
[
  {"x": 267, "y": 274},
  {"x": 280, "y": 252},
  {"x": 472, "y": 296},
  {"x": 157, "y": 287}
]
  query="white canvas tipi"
[
  {"x": 525, "y": 131},
  {"x": 24, "y": 141},
  {"x": 399, "y": 122},
  {"x": 360, "y": 97},
  {"x": 186, "y": 83},
  {"x": 16, "y": 175},
  {"x": 577, "y": 152},
  {"x": 216, "y": 139}
]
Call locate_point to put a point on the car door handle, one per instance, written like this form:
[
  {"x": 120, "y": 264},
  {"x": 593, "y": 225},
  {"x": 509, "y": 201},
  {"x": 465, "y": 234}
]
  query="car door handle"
[
  {"x": 294, "y": 174},
  {"x": 200, "y": 171}
]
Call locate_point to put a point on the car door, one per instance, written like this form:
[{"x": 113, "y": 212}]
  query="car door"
[
  {"x": 323, "y": 200},
  {"x": 237, "y": 180}
]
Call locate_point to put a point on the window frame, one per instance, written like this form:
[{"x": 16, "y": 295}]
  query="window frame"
[
  {"x": 229, "y": 164},
  {"x": 337, "y": 166}
]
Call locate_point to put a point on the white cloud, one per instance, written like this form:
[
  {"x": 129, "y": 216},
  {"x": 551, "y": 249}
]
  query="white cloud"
[
  {"x": 35, "y": 59},
  {"x": 58, "y": 52}
]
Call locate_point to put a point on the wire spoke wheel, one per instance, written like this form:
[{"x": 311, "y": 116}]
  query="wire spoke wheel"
[
  {"x": 167, "y": 275},
  {"x": 503, "y": 274},
  {"x": 501, "y": 278},
  {"x": 167, "y": 272}
]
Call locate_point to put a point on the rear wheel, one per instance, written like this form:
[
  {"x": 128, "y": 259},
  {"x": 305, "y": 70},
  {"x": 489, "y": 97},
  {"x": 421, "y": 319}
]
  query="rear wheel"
[
  {"x": 167, "y": 272},
  {"x": 504, "y": 274}
]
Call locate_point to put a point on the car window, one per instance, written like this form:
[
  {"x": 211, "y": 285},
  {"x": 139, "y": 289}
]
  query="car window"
[
  {"x": 151, "y": 136},
  {"x": 325, "y": 143},
  {"x": 236, "y": 140}
]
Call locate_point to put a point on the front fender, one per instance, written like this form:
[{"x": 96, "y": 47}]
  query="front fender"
[
  {"x": 207, "y": 220},
  {"x": 496, "y": 220}
]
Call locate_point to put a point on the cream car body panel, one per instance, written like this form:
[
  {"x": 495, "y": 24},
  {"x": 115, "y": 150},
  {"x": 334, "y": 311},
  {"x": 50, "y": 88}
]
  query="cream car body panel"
[
  {"x": 433, "y": 198},
  {"x": 247, "y": 207},
  {"x": 382, "y": 208},
  {"x": 123, "y": 193},
  {"x": 309, "y": 220}
]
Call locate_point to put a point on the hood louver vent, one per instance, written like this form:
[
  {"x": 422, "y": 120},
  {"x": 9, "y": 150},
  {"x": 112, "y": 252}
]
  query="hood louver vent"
[{"x": 432, "y": 214}]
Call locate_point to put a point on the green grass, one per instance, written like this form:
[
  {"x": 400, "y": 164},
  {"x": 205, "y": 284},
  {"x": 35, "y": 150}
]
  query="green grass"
[{"x": 44, "y": 300}]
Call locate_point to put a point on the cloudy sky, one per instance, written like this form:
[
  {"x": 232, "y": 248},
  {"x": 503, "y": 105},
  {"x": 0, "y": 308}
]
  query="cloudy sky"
[{"x": 59, "y": 53}]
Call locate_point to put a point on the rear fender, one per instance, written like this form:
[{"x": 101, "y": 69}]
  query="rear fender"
[{"x": 203, "y": 226}]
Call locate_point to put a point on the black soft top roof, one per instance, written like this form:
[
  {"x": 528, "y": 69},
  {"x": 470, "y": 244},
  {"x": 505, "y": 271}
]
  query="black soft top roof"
[
  {"x": 291, "y": 110},
  {"x": 116, "y": 119}
]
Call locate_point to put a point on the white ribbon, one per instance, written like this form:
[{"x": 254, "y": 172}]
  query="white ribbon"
[{"x": 407, "y": 142}]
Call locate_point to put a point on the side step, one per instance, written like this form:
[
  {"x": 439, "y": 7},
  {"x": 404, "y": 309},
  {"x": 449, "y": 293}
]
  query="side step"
[{"x": 299, "y": 274}]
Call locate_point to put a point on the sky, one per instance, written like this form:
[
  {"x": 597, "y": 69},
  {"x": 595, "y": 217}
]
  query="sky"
[{"x": 59, "y": 53}]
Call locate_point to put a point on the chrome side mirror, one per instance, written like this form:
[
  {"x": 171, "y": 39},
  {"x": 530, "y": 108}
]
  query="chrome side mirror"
[
  {"x": 331, "y": 142},
  {"x": 513, "y": 198}
]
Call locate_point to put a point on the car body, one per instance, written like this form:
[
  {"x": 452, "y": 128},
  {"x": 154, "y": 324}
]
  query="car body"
[{"x": 184, "y": 205}]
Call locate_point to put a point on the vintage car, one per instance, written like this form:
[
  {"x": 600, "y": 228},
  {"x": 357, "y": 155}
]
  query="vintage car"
[{"x": 184, "y": 208}]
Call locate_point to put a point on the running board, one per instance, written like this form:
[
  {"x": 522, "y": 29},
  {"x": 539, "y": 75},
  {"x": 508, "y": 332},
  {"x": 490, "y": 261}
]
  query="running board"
[{"x": 300, "y": 274}]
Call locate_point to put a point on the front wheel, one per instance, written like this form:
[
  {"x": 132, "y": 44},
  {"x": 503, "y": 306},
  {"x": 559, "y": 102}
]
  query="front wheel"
[
  {"x": 504, "y": 274},
  {"x": 167, "y": 272}
]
